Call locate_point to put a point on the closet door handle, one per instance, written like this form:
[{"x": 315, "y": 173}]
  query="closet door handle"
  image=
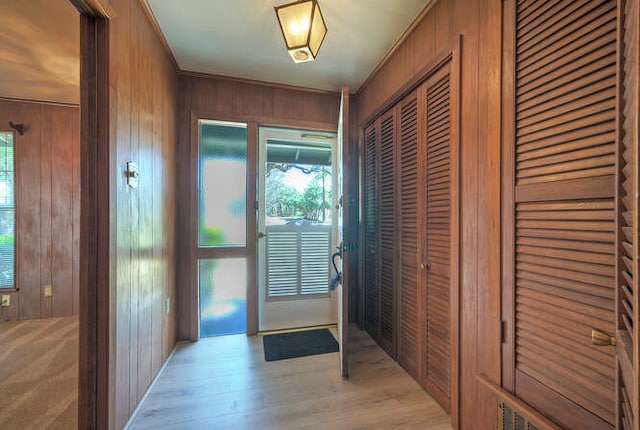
[
  {"x": 424, "y": 266},
  {"x": 602, "y": 338}
]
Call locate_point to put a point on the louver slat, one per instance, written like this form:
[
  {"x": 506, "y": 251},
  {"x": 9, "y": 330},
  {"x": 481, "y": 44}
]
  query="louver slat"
[
  {"x": 314, "y": 261},
  {"x": 297, "y": 261},
  {"x": 387, "y": 233},
  {"x": 409, "y": 304},
  {"x": 371, "y": 285},
  {"x": 628, "y": 301},
  {"x": 564, "y": 250},
  {"x": 438, "y": 238},
  {"x": 282, "y": 263}
]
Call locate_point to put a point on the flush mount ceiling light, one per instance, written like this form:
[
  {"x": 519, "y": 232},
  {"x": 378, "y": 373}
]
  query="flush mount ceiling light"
[{"x": 303, "y": 29}]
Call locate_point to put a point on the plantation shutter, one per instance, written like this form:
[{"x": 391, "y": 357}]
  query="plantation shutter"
[
  {"x": 628, "y": 305},
  {"x": 410, "y": 308},
  {"x": 297, "y": 261},
  {"x": 387, "y": 232},
  {"x": 564, "y": 251},
  {"x": 437, "y": 373},
  {"x": 371, "y": 285}
]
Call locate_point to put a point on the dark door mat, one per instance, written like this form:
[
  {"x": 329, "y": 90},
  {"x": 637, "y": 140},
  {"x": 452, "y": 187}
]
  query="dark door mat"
[{"x": 298, "y": 344}]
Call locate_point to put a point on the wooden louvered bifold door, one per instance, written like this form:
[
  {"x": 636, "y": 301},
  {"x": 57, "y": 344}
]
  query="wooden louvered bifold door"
[
  {"x": 437, "y": 201},
  {"x": 564, "y": 209},
  {"x": 628, "y": 303},
  {"x": 387, "y": 233},
  {"x": 370, "y": 250},
  {"x": 409, "y": 295}
]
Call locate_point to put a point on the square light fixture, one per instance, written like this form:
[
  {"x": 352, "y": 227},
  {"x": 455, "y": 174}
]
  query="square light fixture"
[{"x": 303, "y": 29}]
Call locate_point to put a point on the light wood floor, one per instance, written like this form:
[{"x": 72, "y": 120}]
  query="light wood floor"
[
  {"x": 225, "y": 383},
  {"x": 39, "y": 374}
]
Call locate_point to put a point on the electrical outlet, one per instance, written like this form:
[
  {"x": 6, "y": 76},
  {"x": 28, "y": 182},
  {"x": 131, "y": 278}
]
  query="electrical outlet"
[
  {"x": 47, "y": 290},
  {"x": 6, "y": 300},
  {"x": 167, "y": 305}
]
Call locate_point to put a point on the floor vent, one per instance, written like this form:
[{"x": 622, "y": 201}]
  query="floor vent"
[{"x": 509, "y": 419}]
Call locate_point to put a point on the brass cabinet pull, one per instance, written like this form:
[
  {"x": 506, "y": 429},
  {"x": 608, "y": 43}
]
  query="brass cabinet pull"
[
  {"x": 601, "y": 338},
  {"x": 424, "y": 266}
]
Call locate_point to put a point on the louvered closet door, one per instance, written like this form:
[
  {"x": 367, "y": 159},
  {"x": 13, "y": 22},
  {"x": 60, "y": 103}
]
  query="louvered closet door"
[
  {"x": 436, "y": 94},
  {"x": 628, "y": 303},
  {"x": 565, "y": 134},
  {"x": 409, "y": 294},
  {"x": 371, "y": 283},
  {"x": 387, "y": 232}
]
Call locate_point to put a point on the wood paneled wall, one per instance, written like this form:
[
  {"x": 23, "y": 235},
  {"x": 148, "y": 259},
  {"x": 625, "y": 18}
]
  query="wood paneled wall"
[
  {"x": 47, "y": 162},
  {"x": 479, "y": 24},
  {"x": 228, "y": 99},
  {"x": 143, "y": 100}
]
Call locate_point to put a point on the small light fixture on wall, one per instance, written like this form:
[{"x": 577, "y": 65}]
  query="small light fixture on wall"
[{"x": 303, "y": 28}]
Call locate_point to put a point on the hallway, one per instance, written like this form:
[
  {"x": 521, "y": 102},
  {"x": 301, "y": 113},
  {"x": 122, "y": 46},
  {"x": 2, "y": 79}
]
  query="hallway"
[{"x": 225, "y": 383}]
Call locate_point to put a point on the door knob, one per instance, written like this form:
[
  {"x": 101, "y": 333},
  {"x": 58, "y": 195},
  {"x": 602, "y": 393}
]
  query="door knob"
[
  {"x": 261, "y": 235},
  {"x": 424, "y": 266},
  {"x": 601, "y": 338}
]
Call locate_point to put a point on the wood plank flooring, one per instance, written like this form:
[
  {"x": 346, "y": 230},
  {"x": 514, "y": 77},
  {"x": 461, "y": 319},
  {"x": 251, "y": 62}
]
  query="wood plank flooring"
[
  {"x": 39, "y": 374},
  {"x": 225, "y": 383}
]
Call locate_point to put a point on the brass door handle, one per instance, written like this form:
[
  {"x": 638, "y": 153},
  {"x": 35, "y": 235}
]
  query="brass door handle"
[
  {"x": 601, "y": 338},
  {"x": 424, "y": 266}
]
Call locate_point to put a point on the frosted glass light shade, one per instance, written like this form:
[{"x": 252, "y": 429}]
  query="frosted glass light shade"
[{"x": 303, "y": 29}]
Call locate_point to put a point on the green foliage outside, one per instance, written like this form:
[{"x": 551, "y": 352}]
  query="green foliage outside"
[
  {"x": 6, "y": 264},
  {"x": 284, "y": 201},
  {"x": 211, "y": 235}
]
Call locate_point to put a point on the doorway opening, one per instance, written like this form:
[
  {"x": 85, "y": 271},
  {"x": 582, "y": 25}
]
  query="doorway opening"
[
  {"x": 222, "y": 228},
  {"x": 297, "y": 228}
]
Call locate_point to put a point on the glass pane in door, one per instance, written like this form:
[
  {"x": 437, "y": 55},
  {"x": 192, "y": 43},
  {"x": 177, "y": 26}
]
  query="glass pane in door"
[
  {"x": 222, "y": 215},
  {"x": 223, "y": 296}
]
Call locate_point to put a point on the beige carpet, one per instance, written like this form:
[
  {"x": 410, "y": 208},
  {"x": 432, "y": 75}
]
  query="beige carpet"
[{"x": 39, "y": 374}]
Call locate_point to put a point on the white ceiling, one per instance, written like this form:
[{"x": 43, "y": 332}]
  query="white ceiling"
[
  {"x": 241, "y": 38},
  {"x": 40, "y": 50}
]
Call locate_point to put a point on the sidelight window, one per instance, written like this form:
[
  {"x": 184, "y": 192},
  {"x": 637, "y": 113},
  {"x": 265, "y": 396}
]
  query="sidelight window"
[{"x": 7, "y": 211}]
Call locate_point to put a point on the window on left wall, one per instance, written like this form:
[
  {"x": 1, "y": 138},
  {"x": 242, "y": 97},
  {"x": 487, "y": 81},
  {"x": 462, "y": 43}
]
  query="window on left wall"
[{"x": 7, "y": 211}]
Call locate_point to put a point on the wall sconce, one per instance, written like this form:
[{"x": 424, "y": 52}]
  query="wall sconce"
[{"x": 303, "y": 29}]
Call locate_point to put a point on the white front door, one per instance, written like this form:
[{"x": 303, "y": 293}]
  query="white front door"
[{"x": 297, "y": 228}]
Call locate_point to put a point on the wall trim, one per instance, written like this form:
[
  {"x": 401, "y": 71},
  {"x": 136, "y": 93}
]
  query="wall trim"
[
  {"x": 39, "y": 102},
  {"x": 146, "y": 393},
  {"x": 211, "y": 76},
  {"x": 439, "y": 60},
  {"x": 95, "y": 8},
  {"x": 404, "y": 36},
  {"x": 159, "y": 34}
]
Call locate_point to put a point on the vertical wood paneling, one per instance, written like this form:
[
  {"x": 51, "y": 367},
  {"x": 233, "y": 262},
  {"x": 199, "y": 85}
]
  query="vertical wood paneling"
[
  {"x": 75, "y": 198},
  {"x": 28, "y": 236},
  {"x": 46, "y": 138},
  {"x": 63, "y": 160},
  {"x": 489, "y": 227},
  {"x": 47, "y": 208},
  {"x": 144, "y": 103}
]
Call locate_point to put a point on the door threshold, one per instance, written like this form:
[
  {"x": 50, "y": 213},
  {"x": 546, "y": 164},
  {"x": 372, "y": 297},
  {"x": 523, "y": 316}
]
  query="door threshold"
[{"x": 293, "y": 330}]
